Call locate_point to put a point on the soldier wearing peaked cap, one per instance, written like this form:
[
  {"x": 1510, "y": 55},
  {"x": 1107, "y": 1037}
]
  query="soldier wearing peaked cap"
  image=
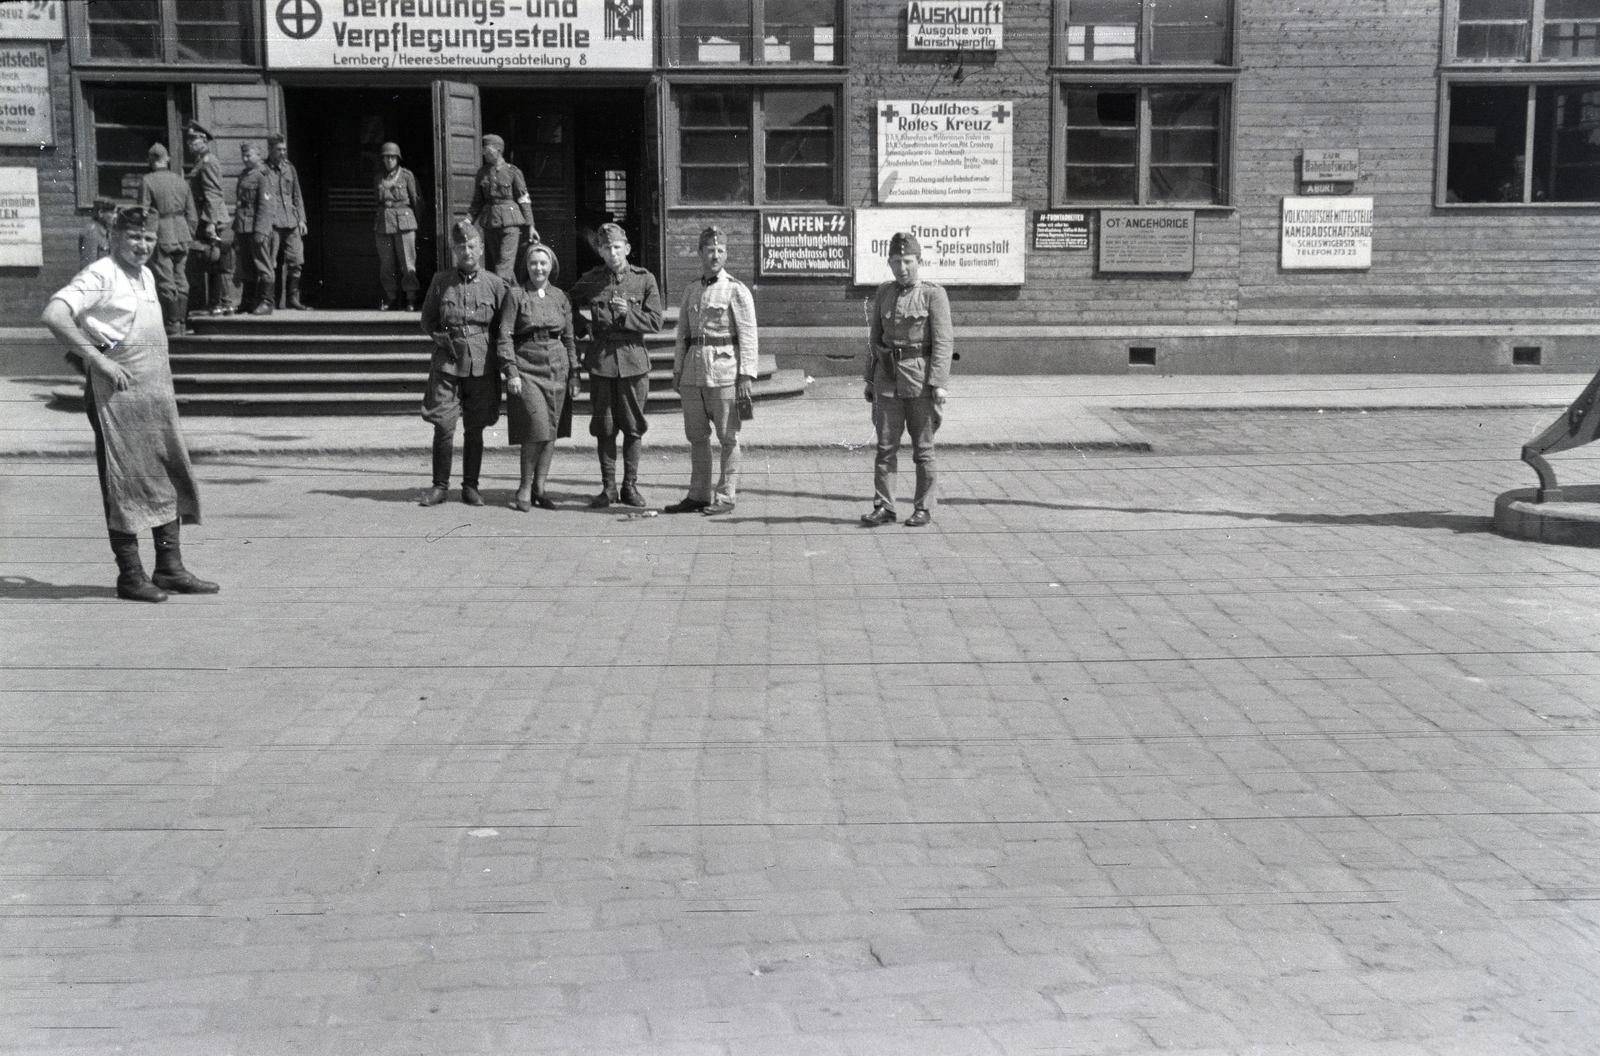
[
  {"x": 623, "y": 304},
  {"x": 395, "y": 229},
  {"x": 173, "y": 218},
  {"x": 502, "y": 208},
  {"x": 213, "y": 248},
  {"x": 713, "y": 370},
  {"x": 461, "y": 313},
  {"x": 908, "y": 367}
]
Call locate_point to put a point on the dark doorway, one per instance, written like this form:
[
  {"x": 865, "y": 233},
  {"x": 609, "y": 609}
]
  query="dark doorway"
[
  {"x": 334, "y": 139},
  {"x": 580, "y": 153}
]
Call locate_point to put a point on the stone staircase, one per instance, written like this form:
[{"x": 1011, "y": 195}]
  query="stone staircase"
[{"x": 347, "y": 363}]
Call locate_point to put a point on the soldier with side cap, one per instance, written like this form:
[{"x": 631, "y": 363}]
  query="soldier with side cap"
[
  {"x": 279, "y": 229},
  {"x": 501, "y": 207},
  {"x": 172, "y": 216},
  {"x": 246, "y": 197},
  {"x": 461, "y": 313},
  {"x": 395, "y": 230},
  {"x": 908, "y": 366},
  {"x": 94, "y": 241},
  {"x": 624, "y": 304}
]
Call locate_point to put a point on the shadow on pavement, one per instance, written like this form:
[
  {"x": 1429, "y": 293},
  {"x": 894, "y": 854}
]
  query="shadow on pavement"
[
  {"x": 831, "y": 521},
  {"x": 25, "y": 589},
  {"x": 1460, "y": 523}
]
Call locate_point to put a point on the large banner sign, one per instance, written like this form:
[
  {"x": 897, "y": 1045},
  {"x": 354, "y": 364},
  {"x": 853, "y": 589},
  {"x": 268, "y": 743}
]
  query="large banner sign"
[
  {"x": 960, "y": 247},
  {"x": 946, "y": 150},
  {"x": 458, "y": 34}
]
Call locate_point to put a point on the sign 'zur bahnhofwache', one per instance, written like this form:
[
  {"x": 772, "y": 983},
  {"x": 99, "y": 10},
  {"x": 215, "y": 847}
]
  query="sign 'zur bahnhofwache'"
[
  {"x": 950, "y": 25},
  {"x": 458, "y": 34},
  {"x": 946, "y": 150},
  {"x": 960, "y": 247}
]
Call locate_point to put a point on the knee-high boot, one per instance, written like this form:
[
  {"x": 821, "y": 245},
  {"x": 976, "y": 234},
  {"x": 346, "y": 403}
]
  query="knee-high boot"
[
  {"x": 291, "y": 289},
  {"x": 170, "y": 574},
  {"x": 471, "y": 457},
  {"x": 132, "y": 583}
]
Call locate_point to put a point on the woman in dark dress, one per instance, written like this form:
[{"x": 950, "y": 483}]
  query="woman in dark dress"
[{"x": 540, "y": 362}]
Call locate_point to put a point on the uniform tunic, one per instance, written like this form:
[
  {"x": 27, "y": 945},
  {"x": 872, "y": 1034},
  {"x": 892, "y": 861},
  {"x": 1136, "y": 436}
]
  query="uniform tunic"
[
  {"x": 912, "y": 344},
  {"x": 501, "y": 206},
  {"x": 145, "y": 476},
  {"x": 464, "y": 375},
  {"x": 395, "y": 232},
  {"x": 205, "y": 185},
  {"x": 616, "y": 346},
  {"x": 275, "y": 225},
  {"x": 717, "y": 344},
  {"x": 167, "y": 193},
  {"x": 93, "y": 243},
  {"x": 536, "y": 344},
  {"x": 246, "y": 197}
]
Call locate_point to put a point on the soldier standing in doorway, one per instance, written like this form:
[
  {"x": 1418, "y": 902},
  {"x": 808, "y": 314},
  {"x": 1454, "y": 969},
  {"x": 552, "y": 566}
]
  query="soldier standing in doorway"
[
  {"x": 501, "y": 208},
  {"x": 395, "y": 230},
  {"x": 213, "y": 237},
  {"x": 279, "y": 229},
  {"x": 245, "y": 198},
  {"x": 173, "y": 218}
]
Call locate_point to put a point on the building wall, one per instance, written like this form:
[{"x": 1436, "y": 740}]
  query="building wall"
[{"x": 25, "y": 290}]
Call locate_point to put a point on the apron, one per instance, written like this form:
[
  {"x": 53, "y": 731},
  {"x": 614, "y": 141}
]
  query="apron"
[{"x": 146, "y": 479}]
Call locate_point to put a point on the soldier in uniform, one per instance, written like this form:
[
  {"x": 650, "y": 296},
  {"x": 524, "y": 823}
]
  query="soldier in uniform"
[
  {"x": 461, "y": 314},
  {"x": 501, "y": 208},
  {"x": 395, "y": 230},
  {"x": 173, "y": 216},
  {"x": 214, "y": 237},
  {"x": 624, "y": 304},
  {"x": 94, "y": 241},
  {"x": 246, "y": 196},
  {"x": 713, "y": 371},
  {"x": 908, "y": 366},
  {"x": 278, "y": 229}
]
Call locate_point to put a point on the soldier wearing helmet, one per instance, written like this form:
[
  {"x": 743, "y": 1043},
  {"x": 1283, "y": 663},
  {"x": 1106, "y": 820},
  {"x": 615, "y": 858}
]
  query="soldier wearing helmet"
[{"x": 395, "y": 230}]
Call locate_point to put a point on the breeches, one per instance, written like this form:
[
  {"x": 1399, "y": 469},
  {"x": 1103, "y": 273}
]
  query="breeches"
[
  {"x": 893, "y": 416},
  {"x": 708, "y": 410}
]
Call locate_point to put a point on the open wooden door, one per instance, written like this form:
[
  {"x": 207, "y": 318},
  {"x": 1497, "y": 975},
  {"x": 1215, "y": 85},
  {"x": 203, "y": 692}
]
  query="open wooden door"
[
  {"x": 457, "y": 153},
  {"x": 237, "y": 114},
  {"x": 650, "y": 195}
]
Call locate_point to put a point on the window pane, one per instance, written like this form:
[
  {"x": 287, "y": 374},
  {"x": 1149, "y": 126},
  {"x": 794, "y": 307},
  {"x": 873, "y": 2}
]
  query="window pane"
[
  {"x": 1169, "y": 147},
  {"x": 1571, "y": 40},
  {"x": 126, "y": 122},
  {"x": 1189, "y": 31},
  {"x": 717, "y": 186},
  {"x": 125, "y": 29},
  {"x": 804, "y": 109},
  {"x": 1097, "y": 146},
  {"x": 709, "y": 108},
  {"x": 1102, "y": 183},
  {"x": 1187, "y": 183},
  {"x": 1488, "y": 127},
  {"x": 1492, "y": 41},
  {"x": 1103, "y": 31},
  {"x": 791, "y": 183},
  {"x": 1471, "y": 10},
  {"x": 716, "y": 148},
  {"x": 1567, "y": 144},
  {"x": 1571, "y": 9},
  {"x": 1185, "y": 107},
  {"x": 713, "y": 31},
  {"x": 800, "y": 31},
  {"x": 1088, "y": 107}
]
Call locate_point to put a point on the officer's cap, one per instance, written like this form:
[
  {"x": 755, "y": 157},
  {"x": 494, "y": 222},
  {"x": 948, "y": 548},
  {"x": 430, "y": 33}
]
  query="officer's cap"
[
  {"x": 157, "y": 152},
  {"x": 492, "y": 140},
  {"x": 904, "y": 243},
  {"x": 711, "y": 235},
  {"x": 610, "y": 233},
  {"x": 196, "y": 128},
  {"x": 389, "y": 150},
  {"x": 133, "y": 218},
  {"x": 464, "y": 231}
]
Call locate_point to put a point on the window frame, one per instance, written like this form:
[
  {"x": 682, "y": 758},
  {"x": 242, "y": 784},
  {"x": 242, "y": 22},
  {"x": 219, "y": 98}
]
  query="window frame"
[
  {"x": 1520, "y": 76},
  {"x": 671, "y": 43},
  {"x": 1058, "y": 48},
  {"x": 249, "y": 36},
  {"x": 1535, "y": 57},
  {"x": 805, "y": 78}
]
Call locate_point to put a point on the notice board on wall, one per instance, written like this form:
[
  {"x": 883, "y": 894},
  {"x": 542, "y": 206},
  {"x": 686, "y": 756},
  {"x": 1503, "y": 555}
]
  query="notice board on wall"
[
  {"x": 21, "y": 241},
  {"x": 945, "y": 150},
  {"x": 960, "y": 247},
  {"x": 1327, "y": 233},
  {"x": 795, "y": 243},
  {"x": 1147, "y": 240},
  {"x": 26, "y": 114}
]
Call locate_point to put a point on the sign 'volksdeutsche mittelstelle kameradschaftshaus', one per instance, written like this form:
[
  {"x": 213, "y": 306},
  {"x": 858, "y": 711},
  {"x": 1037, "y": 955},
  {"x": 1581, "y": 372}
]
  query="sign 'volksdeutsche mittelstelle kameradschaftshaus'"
[
  {"x": 944, "y": 150},
  {"x": 952, "y": 25},
  {"x": 459, "y": 34}
]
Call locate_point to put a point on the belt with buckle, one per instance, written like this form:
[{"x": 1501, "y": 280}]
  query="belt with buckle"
[
  {"x": 905, "y": 351},
  {"x": 465, "y": 330}
]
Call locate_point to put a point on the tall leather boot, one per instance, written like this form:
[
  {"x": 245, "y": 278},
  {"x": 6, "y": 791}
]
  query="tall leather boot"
[
  {"x": 471, "y": 466},
  {"x": 443, "y": 453},
  {"x": 180, "y": 317},
  {"x": 607, "y": 446},
  {"x": 132, "y": 583},
  {"x": 170, "y": 574},
  {"x": 630, "y": 472},
  {"x": 291, "y": 286}
]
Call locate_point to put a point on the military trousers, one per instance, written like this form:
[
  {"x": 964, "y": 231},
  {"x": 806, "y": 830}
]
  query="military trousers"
[
  {"x": 893, "y": 416},
  {"x": 500, "y": 251},
  {"x": 169, "y": 265},
  {"x": 704, "y": 410},
  {"x": 397, "y": 265},
  {"x": 267, "y": 247}
]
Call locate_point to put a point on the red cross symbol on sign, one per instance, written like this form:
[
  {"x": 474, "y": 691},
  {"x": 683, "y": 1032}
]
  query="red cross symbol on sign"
[{"x": 1000, "y": 114}]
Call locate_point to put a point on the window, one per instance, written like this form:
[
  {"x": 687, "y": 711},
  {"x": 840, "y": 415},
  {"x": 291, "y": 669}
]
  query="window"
[
  {"x": 757, "y": 146},
  {"x": 1524, "y": 143},
  {"x": 122, "y": 123},
  {"x": 754, "y": 32},
  {"x": 1527, "y": 30},
  {"x": 214, "y": 32},
  {"x": 1153, "y": 145},
  {"x": 1145, "y": 32}
]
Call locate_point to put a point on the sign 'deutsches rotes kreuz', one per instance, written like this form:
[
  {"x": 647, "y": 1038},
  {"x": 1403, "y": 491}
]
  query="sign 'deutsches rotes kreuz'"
[
  {"x": 944, "y": 150},
  {"x": 458, "y": 34},
  {"x": 951, "y": 25}
]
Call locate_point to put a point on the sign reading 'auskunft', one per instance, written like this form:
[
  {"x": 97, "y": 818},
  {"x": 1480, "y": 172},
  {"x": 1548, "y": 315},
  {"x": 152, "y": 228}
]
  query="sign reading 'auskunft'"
[
  {"x": 948, "y": 25},
  {"x": 458, "y": 34}
]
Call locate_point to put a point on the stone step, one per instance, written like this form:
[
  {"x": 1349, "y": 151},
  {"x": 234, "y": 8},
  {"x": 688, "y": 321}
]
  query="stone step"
[
  {"x": 406, "y": 380},
  {"x": 367, "y": 401}
]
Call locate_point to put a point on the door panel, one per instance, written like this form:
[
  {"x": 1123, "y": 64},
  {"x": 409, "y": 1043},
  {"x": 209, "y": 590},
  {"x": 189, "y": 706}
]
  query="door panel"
[
  {"x": 648, "y": 196},
  {"x": 457, "y": 153}
]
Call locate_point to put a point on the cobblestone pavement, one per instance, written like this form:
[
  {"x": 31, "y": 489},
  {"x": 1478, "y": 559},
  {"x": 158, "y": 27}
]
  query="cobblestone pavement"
[{"x": 1259, "y": 742}]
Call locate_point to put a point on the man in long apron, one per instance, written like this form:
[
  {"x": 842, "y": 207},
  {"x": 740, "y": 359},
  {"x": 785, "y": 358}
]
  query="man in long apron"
[{"x": 109, "y": 318}]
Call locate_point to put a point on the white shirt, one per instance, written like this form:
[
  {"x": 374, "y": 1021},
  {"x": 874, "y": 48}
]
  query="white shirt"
[{"x": 104, "y": 301}]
